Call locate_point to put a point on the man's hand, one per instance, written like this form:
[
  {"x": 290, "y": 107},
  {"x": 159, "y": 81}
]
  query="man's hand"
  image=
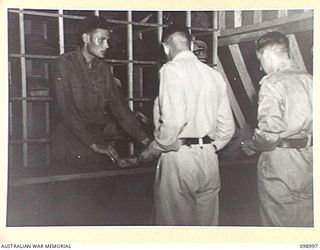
[
  {"x": 246, "y": 148},
  {"x": 149, "y": 154},
  {"x": 146, "y": 141},
  {"x": 108, "y": 150},
  {"x": 131, "y": 161}
]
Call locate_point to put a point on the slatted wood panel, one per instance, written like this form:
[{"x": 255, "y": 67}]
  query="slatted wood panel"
[
  {"x": 232, "y": 98},
  {"x": 230, "y": 37},
  {"x": 244, "y": 74},
  {"x": 295, "y": 52}
]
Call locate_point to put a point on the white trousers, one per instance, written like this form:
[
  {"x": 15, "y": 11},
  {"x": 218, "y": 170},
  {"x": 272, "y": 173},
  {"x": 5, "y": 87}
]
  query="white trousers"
[{"x": 186, "y": 187}]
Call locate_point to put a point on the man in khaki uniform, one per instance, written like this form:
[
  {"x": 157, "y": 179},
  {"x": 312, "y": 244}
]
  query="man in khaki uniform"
[{"x": 283, "y": 136}]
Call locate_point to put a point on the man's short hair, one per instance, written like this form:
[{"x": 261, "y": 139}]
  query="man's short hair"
[
  {"x": 91, "y": 23},
  {"x": 171, "y": 29},
  {"x": 271, "y": 39}
]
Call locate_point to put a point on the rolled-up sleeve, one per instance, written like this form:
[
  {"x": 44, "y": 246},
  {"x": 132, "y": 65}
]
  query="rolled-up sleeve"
[
  {"x": 271, "y": 122},
  {"x": 172, "y": 109},
  {"x": 67, "y": 110}
]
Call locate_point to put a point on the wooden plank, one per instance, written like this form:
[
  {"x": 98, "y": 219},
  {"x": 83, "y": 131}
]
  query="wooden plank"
[
  {"x": 295, "y": 52},
  {"x": 188, "y": 19},
  {"x": 130, "y": 68},
  {"x": 112, "y": 172},
  {"x": 23, "y": 92},
  {"x": 222, "y": 20},
  {"x": 257, "y": 16},
  {"x": 119, "y": 61},
  {"x": 232, "y": 98},
  {"x": 237, "y": 18},
  {"x": 160, "y": 22},
  {"x": 61, "y": 33},
  {"x": 79, "y": 176},
  {"x": 47, "y": 14},
  {"x": 290, "y": 24},
  {"x": 47, "y": 114},
  {"x": 29, "y": 141},
  {"x": 243, "y": 72},
  {"x": 282, "y": 13},
  {"x": 215, "y": 25}
]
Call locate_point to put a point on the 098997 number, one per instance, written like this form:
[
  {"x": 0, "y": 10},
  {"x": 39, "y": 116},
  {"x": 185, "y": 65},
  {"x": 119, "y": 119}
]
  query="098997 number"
[{"x": 308, "y": 246}]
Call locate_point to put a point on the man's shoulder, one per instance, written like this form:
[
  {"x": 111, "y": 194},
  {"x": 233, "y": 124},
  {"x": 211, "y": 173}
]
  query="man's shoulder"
[
  {"x": 67, "y": 56},
  {"x": 281, "y": 75}
]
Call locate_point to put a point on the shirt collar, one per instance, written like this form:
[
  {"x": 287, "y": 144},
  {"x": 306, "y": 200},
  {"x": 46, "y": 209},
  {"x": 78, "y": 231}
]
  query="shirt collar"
[
  {"x": 184, "y": 54},
  {"x": 287, "y": 66},
  {"x": 83, "y": 59}
]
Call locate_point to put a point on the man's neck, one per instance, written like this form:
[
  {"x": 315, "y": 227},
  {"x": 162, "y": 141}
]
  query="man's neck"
[
  {"x": 179, "y": 51},
  {"x": 89, "y": 58}
]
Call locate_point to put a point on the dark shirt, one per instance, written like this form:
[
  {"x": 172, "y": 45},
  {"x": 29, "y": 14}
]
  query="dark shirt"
[{"x": 86, "y": 95}]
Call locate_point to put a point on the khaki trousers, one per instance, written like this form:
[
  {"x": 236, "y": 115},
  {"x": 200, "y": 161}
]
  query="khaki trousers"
[
  {"x": 285, "y": 187},
  {"x": 187, "y": 186}
]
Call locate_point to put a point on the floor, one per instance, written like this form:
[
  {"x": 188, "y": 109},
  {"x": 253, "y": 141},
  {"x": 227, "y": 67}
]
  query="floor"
[{"x": 122, "y": 200}]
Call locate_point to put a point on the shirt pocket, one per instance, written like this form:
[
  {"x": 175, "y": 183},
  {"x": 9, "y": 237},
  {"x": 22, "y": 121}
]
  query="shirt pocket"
[{"x": 79, "y": 92}]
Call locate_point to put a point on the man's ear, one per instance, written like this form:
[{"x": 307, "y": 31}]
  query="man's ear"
[
  {"x": 165, "y": 48},
  {"x": 191, "y": 45},
  {"x": 85, "y": 38}
]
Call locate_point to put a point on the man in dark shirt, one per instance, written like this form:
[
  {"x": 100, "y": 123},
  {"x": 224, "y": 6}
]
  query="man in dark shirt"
[{"x": 87, "y": 99}]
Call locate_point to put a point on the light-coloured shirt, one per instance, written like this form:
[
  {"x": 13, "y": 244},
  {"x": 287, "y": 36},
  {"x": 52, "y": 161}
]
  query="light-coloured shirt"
[
  {"x": 192, "y": 102},
  {"x": 285, "y": 104}
]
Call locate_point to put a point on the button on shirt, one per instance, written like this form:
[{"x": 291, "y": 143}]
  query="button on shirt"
[
  {"x": 192, "y": 102},
  {"x": 83, "y": 92}
]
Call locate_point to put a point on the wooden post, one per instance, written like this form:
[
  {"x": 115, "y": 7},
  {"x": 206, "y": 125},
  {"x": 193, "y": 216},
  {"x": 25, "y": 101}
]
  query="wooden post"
[
  {"x": 160, "y": 22},
  {"x": 257, "y": 16},
  {"x": 61, "y": 33},
  {"x": 295, "y": 52},
  {"x": 282, "y": 13},
  {"x": 233, "y": 101},
  {"x": 237, "y": 18},
  {"x": 23, "y": 91},
  {"x": 215, "y": 26},
  {"x": 188, "y": 19},
  {"x": 243, "y": 72},
  {"x": 222, "y": 20},
  {"x": 130, "y": 67}
]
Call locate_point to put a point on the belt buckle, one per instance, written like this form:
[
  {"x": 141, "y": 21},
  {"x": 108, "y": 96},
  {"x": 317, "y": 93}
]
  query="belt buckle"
[
  {"x": 201, "y": 142},
  {"x": 309, "y": 136}
]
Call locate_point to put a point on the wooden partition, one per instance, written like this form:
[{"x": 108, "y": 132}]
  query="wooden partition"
[{"x": 223, "y": 29}]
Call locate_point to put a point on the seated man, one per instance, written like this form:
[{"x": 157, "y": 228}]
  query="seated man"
[{"x": 88, "y": 101}]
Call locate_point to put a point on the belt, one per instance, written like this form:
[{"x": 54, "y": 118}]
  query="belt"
[
  {"x": 296, "y": 142},
  {"x": 196, "y": 141}
]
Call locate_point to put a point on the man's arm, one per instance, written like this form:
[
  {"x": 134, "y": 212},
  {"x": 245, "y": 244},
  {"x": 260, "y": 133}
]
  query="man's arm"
[
  {"x": 225, "y": 122},
  {"x": 270, "y": 120},
  {"x": 121, "y": 111},
  {"x": 171, "y": 107}
]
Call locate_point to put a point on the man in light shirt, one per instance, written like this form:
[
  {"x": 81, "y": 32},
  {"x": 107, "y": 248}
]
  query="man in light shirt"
[
  {"x": 284, "y": 136},
  {"x": 193, "y": 120}
]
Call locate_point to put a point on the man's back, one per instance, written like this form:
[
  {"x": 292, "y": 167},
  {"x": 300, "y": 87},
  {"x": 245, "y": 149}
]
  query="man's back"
[
  {"x": 291, "y": 91},
  {"x": 202, "y": 94}
]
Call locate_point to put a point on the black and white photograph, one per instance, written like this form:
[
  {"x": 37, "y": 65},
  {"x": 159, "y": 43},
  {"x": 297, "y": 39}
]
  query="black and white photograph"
[{"x": 156, "y": 118}]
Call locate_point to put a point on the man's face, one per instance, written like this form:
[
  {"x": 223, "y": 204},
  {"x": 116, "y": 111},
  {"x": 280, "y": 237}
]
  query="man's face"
[{"x": 98, "y": 43}]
